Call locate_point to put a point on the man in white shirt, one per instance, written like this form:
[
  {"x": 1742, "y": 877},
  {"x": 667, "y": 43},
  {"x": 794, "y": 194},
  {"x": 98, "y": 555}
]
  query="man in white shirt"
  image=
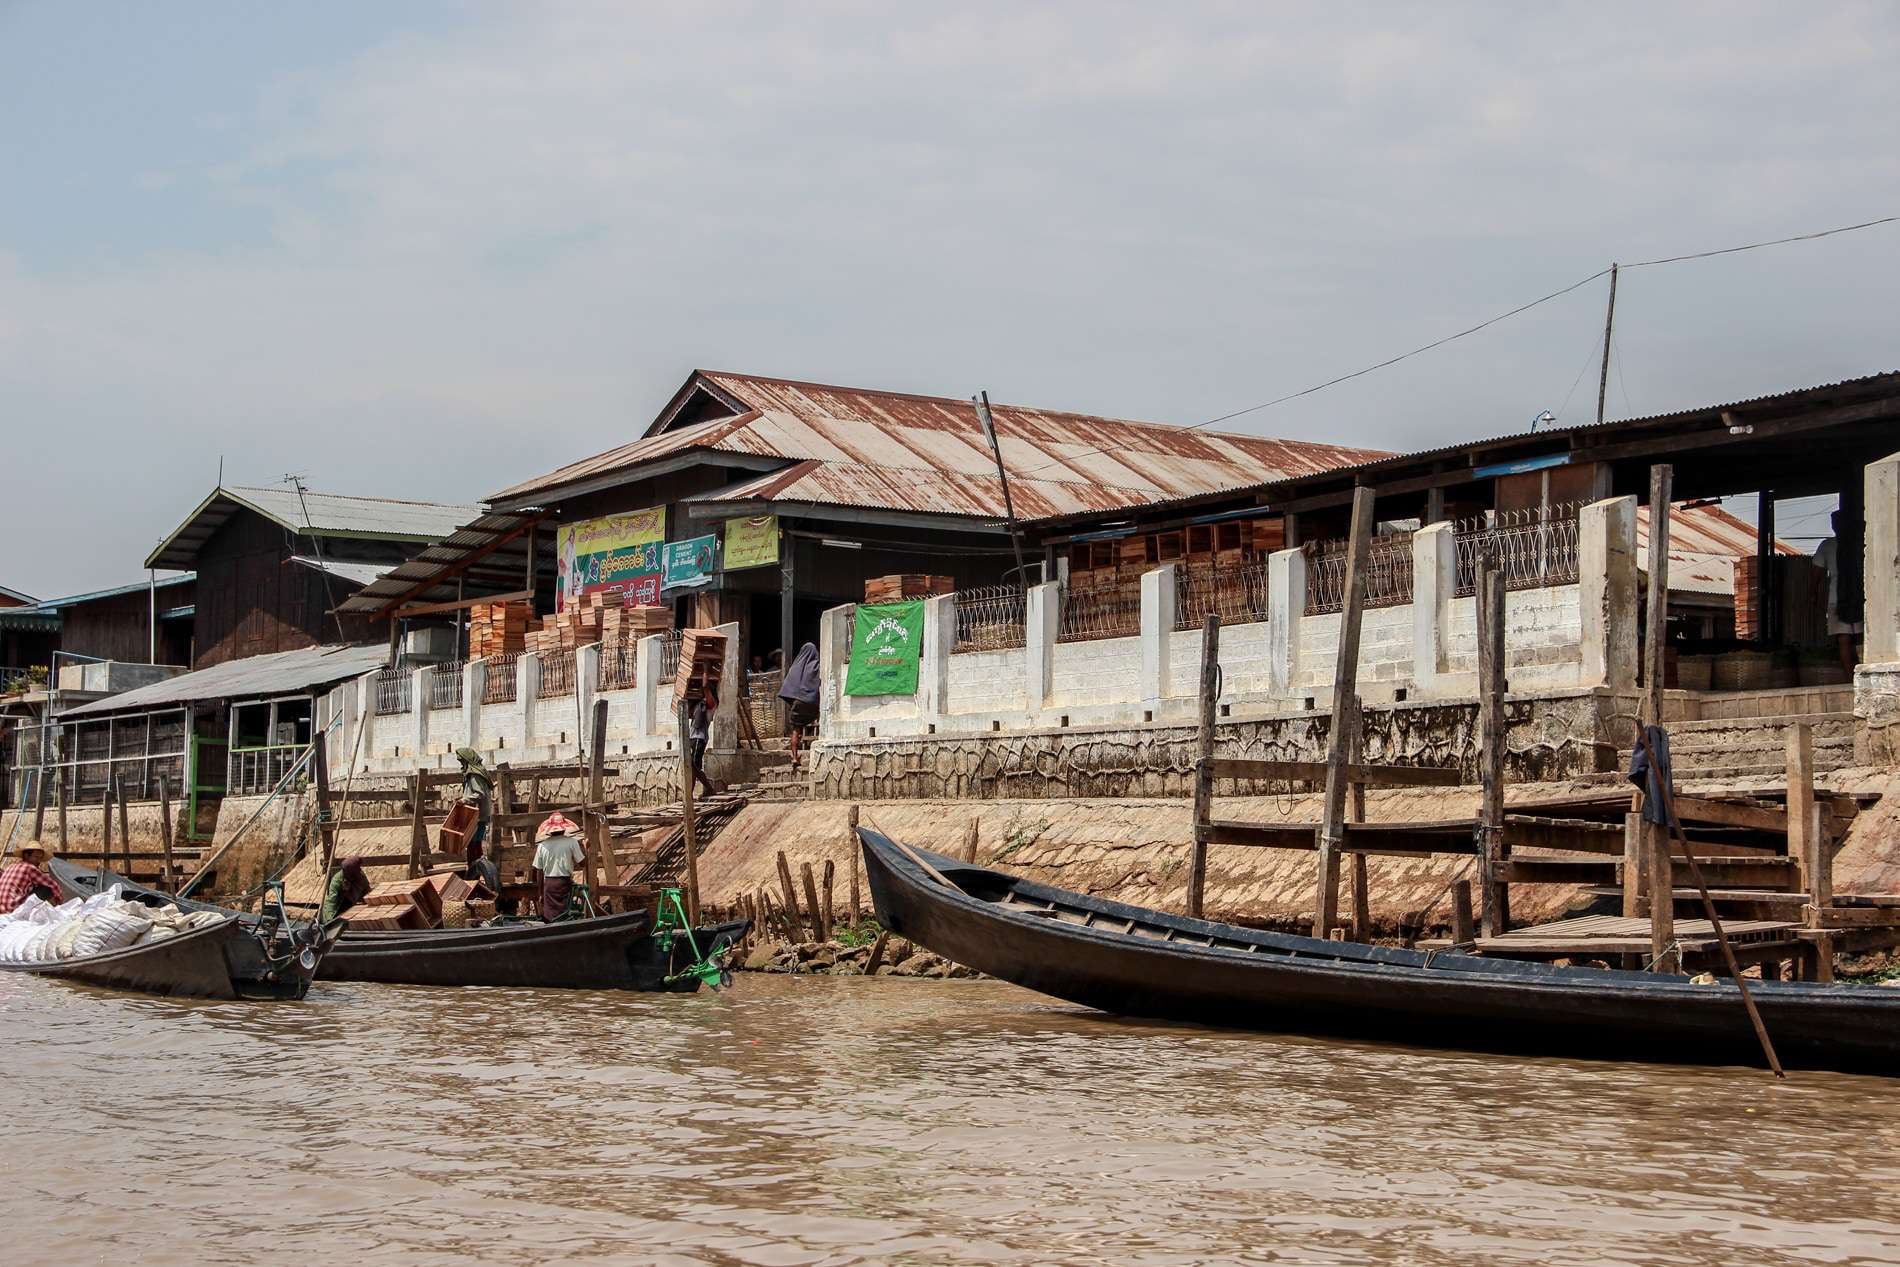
[
  {"x": 1827, "y": 557},
  {"x": 555, "y": 857}
]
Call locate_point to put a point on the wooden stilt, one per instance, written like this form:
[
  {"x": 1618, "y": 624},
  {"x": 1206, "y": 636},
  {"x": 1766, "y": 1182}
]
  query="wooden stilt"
[
  {"x": 165, "y": 832},
  {"x": 1361, "y": 898},
  {"x": 1332, "y": 828},
  {"x": 789, "y": 895},
  {"x": 1204, "y": 765},
  {"x": 1462, "y": 933},
  {"x": 689, "y": 838},
  {"x": 125, "y": 828},
  {"x": 105, "y": 828},
  {"x": 819, "y": 931},
  {"x": 1662, "y": 911},
  {"x": 851, "y": 848},
  {"x": 418, "y": 826},
  {"x": 824, "y": 893},
  {"x": 1494, "y": 895}
]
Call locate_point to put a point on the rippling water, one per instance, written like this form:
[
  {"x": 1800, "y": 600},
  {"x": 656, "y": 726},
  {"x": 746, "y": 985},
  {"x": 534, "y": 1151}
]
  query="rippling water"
[{"x": 832, "y": 1121}]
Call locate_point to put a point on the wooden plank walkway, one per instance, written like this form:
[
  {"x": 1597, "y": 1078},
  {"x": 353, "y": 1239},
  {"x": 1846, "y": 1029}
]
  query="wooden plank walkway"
[{"x": 1615, "y": 935}]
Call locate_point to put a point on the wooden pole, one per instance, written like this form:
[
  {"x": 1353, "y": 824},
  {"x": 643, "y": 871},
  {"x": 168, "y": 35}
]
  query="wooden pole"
[
  {"x": 1662, "y": 908},
  {"x": 1609, "y": 324},
  {"x": 598, "y": 858},
  {"x": 39, "y": 803},
  {"x": 969, "y": 842},
  {"x": 61, "y": 789},
  {"x": 790, "y": 894},
  {"x": 165, "y": 832},
  {"x": 105, "y": 829},
  {"x": 688, "y": 835},
  {"x": 1332, "y": 828},
  {"x": 1708, "y": 908},
  {"x": 1204, "y": 764},
  {"x": 1461, "y": 931},
  {"x": 1494, "y": 896},
  {"x": 851, "y": 843},
  {"x": 326, "y": 822},
  {"x": 819, "y": 931},
  {"x": 125, "y": 829},
  {"x": 877, "y": 952},
  {"x": 1356, "y": 812},
  {"x": 824, "y": 892},
  {"x": 1802, "y": 845},
  {"x": 418, "y": 828}
]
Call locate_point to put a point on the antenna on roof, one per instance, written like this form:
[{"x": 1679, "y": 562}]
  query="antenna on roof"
[{"x": 220, "y": 470}]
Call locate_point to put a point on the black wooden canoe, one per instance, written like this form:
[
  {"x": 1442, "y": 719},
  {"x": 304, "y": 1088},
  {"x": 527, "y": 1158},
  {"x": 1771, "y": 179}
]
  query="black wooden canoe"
[
  {"x": 218, "y": 961},
  {"x": 609, "y": 952},
  {"x": 1138, "y": 962}
]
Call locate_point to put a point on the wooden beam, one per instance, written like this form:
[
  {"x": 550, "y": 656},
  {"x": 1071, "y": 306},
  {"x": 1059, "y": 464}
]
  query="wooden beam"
[
  {"x": 1575, "y": 834},
  {"x": 165, "y": 830},
  {"x": 1204, "y": 767},
  {"x": 418, "y": 828},
  {"x": 1701, "y": 809},
  {"x": 320, "y": 779},
  {"x": 1807, "y": 845},
  {"x": 468, "y": 560},
  {"x": 1315, "y": 772},
  {"x": 1332, "y": 830},
  {"x": 1661, "y": 480},
  {"x": 689, "y": 837},
  {"x": 460, "y": 604},
  {"x": 598, "y": 859}
]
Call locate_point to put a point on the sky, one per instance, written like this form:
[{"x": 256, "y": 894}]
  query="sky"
[{"x": 429, "y": 250}]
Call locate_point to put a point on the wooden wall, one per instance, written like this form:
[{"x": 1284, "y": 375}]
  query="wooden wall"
[
  {"x": 118, "y": 628},
  {"x": 252, "y": 600}
]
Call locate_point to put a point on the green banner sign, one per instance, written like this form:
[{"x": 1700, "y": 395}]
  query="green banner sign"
[
  {"x": 693, "y": 561},
  {"x": 885, "y": 644}
]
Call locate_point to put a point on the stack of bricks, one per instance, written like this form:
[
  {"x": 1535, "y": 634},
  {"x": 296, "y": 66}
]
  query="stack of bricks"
[
  {"x": 702, "y": 656},
  {"x": 498, "y": 629},
  {"x": 893, "y": 589},
  {"x": 630, "y": 624}
]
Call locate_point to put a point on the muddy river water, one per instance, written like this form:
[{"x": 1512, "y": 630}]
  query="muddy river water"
[{"x": 831, "y": 1121}]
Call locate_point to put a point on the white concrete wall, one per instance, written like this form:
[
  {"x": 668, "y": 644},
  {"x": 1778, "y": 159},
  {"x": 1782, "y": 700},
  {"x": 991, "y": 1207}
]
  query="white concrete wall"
[{"x": 1426, "y": 649}]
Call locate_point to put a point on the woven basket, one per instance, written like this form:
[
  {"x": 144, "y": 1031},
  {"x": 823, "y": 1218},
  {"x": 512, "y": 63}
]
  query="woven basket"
[
  {"x": 1694, "y": 672},
  {"x": 480, "y": 910},
  {"x": 1743, "y": 671},
  {"x": 455, "y": 915}
]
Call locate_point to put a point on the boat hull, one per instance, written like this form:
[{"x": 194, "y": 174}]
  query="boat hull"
[
  {"x": 204, "y": 963},
  {"x": 1302, "y": 985}
]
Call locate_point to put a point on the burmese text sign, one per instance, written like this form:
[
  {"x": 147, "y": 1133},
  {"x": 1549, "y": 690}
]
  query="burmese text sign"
[{"x": 886, "y": 642}]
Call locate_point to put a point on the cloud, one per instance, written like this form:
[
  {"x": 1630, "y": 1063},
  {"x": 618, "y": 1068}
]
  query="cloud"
[{"x": 477, "y": 250}]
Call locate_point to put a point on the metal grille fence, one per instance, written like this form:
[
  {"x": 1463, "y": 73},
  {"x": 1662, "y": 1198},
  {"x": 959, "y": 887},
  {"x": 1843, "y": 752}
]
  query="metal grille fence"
[
  {"x": 255, "y": 771},
  {"x": 1388, "y": 574},
  {"x": 445, "y": 684},
  {"x": 1103, "y": 611},
  {"x": 557, "y": 673},
  {"x": 670, "y": 655},
  {"x": 1238, "y": 595},
  {"x": 619, "y": 664},
  {"x": 393, "y": 691},
  {"x": 502, "y": 677},
  {"x": 991, "y": 618},
  {"x": 1536, "y": 546}
]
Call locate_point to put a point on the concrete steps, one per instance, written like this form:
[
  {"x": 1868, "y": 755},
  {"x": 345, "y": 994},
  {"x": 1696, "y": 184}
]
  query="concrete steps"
[{"x": 1747, "y": 746}]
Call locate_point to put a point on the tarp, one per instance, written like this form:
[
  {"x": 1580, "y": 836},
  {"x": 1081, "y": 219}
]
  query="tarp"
[{"x": 885, "y": 645}]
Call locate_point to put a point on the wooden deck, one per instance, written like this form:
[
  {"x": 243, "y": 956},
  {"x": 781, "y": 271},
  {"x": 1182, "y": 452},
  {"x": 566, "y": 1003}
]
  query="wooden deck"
[{"x": 1618, "y": 935}]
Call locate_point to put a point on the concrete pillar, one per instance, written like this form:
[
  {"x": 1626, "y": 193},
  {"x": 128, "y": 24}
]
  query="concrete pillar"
[
  {"x": 586, "y": 688},
  {"x": 933, "y": 669},
  {"x": 647, "y": 655},
  {"x": 1881, "y": 621},
  {"x": 474, "y": 686},
  {"x": 1434, "y": 582},
  {"x": 527, "y": 693},
  {"x": 365, "y": 718},
  {"x": 834, "y": 642},
  {"x": 419, "y": 703},
  {"x": 1157, "y": 628},
  {"x": 724, "y": 732},
  {"x": 1042, "y": 627},
  {"x": 1606, "y": 576},
  {"x": 1286, "y": 607}
]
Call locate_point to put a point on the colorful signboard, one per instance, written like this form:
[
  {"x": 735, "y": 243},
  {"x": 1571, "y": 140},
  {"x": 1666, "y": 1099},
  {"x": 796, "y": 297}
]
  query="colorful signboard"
[
  {"x": 751, "y": 542},
  {"x": 692, "y": 562},
  {"x": 886, "y": 643},
  {"x": 615, "y": 554}
]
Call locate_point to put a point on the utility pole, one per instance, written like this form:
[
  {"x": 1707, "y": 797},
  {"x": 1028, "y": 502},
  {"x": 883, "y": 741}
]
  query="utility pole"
[
  {"x": 1609, "y": 322},
  {"x": 982, "y": 402}
]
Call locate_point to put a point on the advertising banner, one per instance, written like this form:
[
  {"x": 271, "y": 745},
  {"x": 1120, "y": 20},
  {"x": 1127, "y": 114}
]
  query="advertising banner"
[
  {"x": 616, "y": 554},
  {"x": 694, "y": 561},
  {"x": 886, "y": 641},
  {"x": 751, "y": 542}
]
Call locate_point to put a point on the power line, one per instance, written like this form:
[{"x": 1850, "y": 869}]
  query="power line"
[{"x": 1522, "y": 308}]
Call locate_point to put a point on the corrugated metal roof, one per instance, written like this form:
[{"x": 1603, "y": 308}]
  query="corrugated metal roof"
[
  {"x": 425, "y": 577},
  {"x": 326, "y": 514},
  {"x": 354, "y": 573},
  {"x": 1704, "y": 542},
  {"x": 117, "y": 591},
  {"x": 275, "y": 674},
  {"x": 18, "y": 596},
  {"x": 893, "y": 451}
]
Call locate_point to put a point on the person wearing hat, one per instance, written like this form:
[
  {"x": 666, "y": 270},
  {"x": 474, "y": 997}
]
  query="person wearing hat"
[
  {"x": 23, "y": 878},
  {"x": 477, "y": 790},
  {"x": 556, "y": 854}
]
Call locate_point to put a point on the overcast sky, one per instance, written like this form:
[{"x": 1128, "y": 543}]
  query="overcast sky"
[{"x": 429, "y": 250}]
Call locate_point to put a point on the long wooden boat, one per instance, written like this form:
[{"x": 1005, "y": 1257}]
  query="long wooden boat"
[
  {"x": 226, "y": 960},
  {"x": 607, "y": 952},
  {"x": 1137, "y": 962}
]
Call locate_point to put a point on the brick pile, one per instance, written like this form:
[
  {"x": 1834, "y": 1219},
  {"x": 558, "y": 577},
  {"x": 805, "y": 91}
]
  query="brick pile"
[{"x": 903, "y": 585}]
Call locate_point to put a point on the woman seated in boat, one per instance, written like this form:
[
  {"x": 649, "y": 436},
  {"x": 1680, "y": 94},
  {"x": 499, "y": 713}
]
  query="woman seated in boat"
[
  {"x": 555, "y": 857},
  {"x": 347, "y": 887},
  {"x": 27, "y": 876}
]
